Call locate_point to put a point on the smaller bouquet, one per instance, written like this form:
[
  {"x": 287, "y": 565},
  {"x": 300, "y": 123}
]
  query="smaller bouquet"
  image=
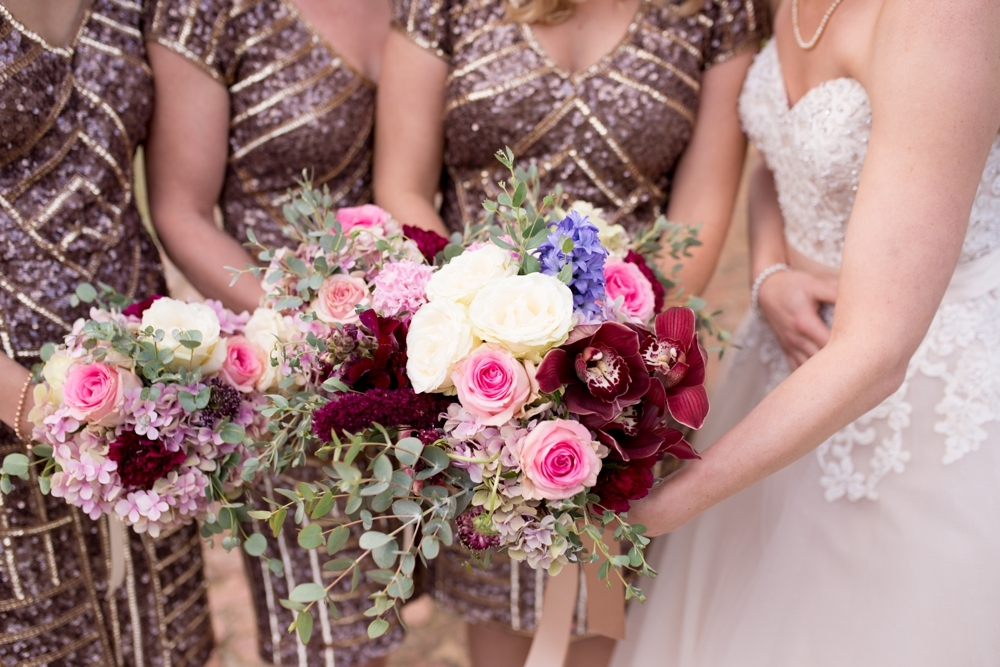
[{"x": 142, "y": 412}]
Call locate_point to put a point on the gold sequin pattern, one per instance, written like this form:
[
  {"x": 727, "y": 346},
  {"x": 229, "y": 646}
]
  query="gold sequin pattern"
[
  {"x": 295, "y": 104},
  {"x": 72, "y": 118},
  {"x": 611, "y": 134}
]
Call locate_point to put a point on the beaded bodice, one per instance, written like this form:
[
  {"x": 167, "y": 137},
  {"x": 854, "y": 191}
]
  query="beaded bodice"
[
  {"x": 295, "y": 104},
  {"x": 611, "y": 134},
  {"x": 816, "y": 150},
  {"x": 71, "y": 119}
]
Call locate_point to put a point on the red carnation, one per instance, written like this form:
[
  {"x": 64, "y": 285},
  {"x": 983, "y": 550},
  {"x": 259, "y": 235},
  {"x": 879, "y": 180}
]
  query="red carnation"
[
  {"x": 430, "y": 243},
  {"x": 385, "y": 366},
  {"x": 677, "y": 358},
  {"x": 137, "y": 308},
  {"x": 659, "y": 294},
  {"x": 141, "y": 461},
  {"x": 621, "y": 482}
]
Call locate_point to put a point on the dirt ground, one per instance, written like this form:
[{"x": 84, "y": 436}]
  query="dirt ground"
[{"x": 439, "y": 639}]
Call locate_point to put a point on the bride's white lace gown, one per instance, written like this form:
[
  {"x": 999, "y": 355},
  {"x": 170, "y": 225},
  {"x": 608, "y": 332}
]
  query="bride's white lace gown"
[{"x": 882, "y": 548}]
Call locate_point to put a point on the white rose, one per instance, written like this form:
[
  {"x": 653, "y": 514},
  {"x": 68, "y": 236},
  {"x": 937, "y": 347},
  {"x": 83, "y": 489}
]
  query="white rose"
[
  {"x": 462, "y": 278},
  {"x": 265, "y": 329},
  {"x": 173, "y": 316},
  {"x": 613, "y": 237},
  {"x": 528, "y": 315},
  {"x": 440, "y": 335},
  {"x": 54, "y": 372}
]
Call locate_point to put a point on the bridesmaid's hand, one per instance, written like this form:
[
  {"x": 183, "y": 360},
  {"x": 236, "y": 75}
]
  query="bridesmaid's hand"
[{"x": 790, "y": 302}]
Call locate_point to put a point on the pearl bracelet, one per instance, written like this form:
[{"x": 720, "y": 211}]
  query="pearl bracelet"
[
  {"x": 20, "y": 411},
  {"x": 764, "y": 275}
]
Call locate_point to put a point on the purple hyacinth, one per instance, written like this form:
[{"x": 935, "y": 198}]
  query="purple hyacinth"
[
  {"x": 475, "y": 530},
  {"x": 575, "y": 240}
]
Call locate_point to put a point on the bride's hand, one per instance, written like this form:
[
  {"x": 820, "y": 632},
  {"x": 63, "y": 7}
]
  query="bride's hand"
[{"x": 790, "y": 302}]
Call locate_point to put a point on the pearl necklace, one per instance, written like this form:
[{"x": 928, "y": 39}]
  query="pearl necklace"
[{"x": 811, "y": 44}]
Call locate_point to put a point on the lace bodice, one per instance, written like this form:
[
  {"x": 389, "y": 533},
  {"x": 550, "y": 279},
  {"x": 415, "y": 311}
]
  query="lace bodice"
[{"x": 816, "y": 149}]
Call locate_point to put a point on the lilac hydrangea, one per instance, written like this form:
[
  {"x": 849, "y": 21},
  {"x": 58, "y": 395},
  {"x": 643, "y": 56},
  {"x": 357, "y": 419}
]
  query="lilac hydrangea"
[{"x": 574, "y": 240}]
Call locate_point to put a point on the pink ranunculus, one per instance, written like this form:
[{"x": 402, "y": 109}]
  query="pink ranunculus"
[
  {"x": 95, "y": 392},
  {"x": 492, "y": 384},
  {"x": 243, "y": 364},
  {"x": 337, "y": 298},
  {"x": 626, "y": 280},
  {"x": 559, "y": 459},
  {"x": 365, "y": 217}
]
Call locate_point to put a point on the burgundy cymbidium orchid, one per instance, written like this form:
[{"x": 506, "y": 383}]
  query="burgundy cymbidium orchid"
[
  {"x": 675, "y": 355},
  {"x": 641, "y": 430},
  {"x": 601, "y": 369}
]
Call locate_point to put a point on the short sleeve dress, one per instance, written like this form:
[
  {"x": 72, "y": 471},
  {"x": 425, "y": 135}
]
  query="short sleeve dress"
[
  {"x": 70, "y": 120},
  {"x": 611, "y": 135},
  {"x": 295, "y": 105}
]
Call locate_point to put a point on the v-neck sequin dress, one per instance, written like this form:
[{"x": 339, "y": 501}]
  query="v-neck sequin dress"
[
  {"x": 295, "y": 104},
  {"x": 611, "y": 135},
  {"x": 70, "y": 119}
]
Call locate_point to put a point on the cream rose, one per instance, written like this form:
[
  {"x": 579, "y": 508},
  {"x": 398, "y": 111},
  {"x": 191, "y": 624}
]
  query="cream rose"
[
  {"x": 462, "y": 278},
  {"x": 172, "y": 317},
  {"x": 54, "y": 373},
  {"x": 440, "y": 335},
  {"x": 528, "y": 315},
  {"x": 613, "y": 237},
  {"x": 264, "y": 330}
]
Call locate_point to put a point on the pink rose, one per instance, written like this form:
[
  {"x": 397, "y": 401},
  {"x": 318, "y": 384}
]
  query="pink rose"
[
  {"x": 366, "y": 217},
  {"x": 243, "y": 364},
  {"x": 559, "y": 459},
  {"x": 337, "y": 298},
  {"x": 95, "y": 392},
  {"x": 492, "y": 384},
  {"x": 626, "y": 280}
]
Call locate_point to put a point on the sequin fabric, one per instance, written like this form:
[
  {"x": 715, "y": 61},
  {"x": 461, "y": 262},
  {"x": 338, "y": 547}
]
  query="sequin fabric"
[
  {"x": 611, "y": 134},
  {"x": 72, "y": 118},
  {"x": 295, "y": 105}
]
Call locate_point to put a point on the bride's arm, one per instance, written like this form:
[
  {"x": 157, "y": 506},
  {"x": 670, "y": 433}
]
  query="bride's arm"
[{"x": 934, "y": 82}]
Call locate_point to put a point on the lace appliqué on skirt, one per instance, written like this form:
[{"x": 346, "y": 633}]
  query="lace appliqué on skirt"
[{"x": 960, "y": 355}]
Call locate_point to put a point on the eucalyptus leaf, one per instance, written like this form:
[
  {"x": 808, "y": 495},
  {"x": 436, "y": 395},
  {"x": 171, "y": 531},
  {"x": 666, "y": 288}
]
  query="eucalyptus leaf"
[
  {"x": 16, "y": 465},
  {"x": 408, "y": 451},
  {"x": 255, "y": 545},
  {"x": 307, "y": 593},
  {"x": 337, "y": 539},
  {"x": 304, "y": 625},
  {"x": 377, "y": 628},
  {"x": 373, "y": 539}
]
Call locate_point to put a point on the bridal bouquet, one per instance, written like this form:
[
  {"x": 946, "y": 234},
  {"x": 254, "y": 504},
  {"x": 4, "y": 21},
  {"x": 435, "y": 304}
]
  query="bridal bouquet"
[
  {"x": 142, "y": 412},
  {"x": 514, "y": 386}
]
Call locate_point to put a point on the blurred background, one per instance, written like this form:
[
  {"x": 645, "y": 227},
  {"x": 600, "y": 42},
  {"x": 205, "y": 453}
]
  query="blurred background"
[{"x": 436, "y": 638}]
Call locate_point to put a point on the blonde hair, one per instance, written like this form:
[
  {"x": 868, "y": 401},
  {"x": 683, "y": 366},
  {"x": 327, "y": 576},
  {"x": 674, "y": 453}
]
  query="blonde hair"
[{"x": 557, "y": 11}]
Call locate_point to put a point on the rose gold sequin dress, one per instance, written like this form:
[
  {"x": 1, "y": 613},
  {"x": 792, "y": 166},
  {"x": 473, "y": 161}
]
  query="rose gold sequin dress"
[
  {"x": 70, "y": 119},
  {"x": 611, "y": 135},
  {"x": 295, "y": 105}
]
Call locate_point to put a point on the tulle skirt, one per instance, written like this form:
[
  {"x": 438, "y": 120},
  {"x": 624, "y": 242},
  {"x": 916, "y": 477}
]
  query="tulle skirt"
[{"x": 817, "y": 566}]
